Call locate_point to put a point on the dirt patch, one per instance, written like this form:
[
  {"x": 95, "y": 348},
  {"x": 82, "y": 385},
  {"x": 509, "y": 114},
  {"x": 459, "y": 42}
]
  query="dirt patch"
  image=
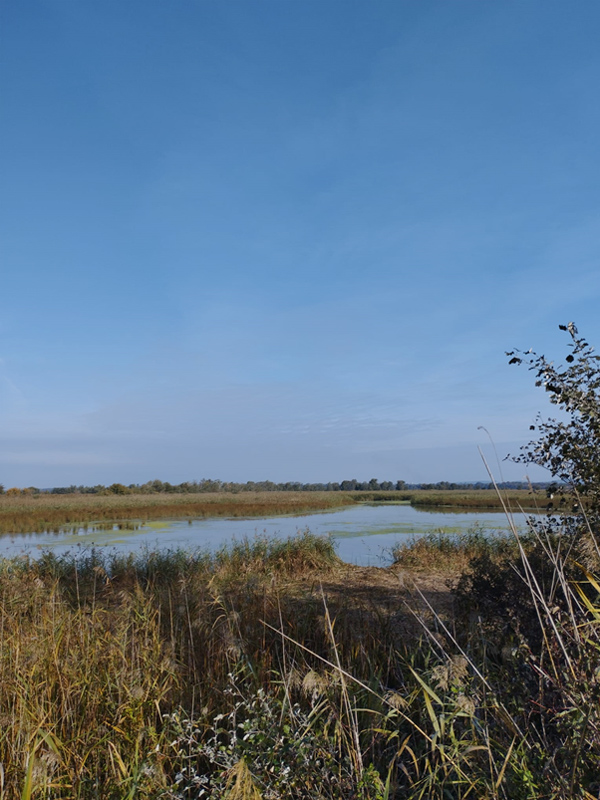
[{"x": 397, "y": 598}]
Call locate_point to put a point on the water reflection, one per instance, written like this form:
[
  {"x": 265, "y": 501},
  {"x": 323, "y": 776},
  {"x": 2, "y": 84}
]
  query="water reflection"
[{"x": 364, "y": 534}]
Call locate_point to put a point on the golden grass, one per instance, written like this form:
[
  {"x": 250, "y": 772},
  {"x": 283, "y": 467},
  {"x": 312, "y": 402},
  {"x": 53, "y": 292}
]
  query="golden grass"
[
  {"x": 452, "y": 553},
  {"x": 95, "y": 652},
  {"x": 80, "y": 688},
  {"x": 119, "y": 674},
  {"x": 50, "y": 512}
]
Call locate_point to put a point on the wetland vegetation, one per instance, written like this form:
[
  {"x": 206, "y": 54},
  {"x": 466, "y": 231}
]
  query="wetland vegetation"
[
  {"x": 21, "y": 514},
  {"x": 270, "y": 669},
  {"x": 24, "y": 513}
]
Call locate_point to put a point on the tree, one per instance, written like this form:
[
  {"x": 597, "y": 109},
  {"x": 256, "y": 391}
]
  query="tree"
[
  {"x": 569, "y": 448},
  {"x": 118, "y": 488}
]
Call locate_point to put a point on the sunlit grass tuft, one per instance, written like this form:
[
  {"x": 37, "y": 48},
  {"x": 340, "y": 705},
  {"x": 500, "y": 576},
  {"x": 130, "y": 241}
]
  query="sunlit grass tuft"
[{"x": 452, "y": 552}]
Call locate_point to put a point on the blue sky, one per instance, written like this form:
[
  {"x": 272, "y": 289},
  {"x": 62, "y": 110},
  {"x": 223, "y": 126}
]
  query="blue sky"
[{"x": 289, "y": 239}]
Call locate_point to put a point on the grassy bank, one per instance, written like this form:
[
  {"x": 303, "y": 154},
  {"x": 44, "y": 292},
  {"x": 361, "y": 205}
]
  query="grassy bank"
[{"x": 272, "y": 670}]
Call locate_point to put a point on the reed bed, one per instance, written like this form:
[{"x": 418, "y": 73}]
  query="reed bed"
[
  {"x": 47, "y": 512},
  {"x": 97, "y": 650},
  {"x": 454, "y": 552},
  {"x": 269, "y": 670},
  {"x": 515, "y": 499}
]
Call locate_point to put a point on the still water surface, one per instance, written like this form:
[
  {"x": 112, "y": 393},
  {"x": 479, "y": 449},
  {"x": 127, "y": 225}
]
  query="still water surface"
[{"x": 363, "y": 534}]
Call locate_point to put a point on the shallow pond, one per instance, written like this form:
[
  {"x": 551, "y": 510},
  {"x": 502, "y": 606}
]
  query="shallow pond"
[{"x": 364, "y": 534}]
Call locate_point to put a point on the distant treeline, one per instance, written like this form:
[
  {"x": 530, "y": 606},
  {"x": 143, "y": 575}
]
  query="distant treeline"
[{"x": 207, "y": 485}]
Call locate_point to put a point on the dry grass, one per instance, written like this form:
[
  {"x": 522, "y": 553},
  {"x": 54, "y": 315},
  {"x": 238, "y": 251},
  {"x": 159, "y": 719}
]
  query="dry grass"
[
  {"x": 80, "y": 687},
  {"x": 51, "y": 512},
  {"x": 99, "y": 653},
  {"x": 275, "y": 667},
  {"x": 452, "y": 553},
  {"x": 47, "y": 512},
  {"x": 96, "y": 651},
  {"x": 480, "y": 499}
]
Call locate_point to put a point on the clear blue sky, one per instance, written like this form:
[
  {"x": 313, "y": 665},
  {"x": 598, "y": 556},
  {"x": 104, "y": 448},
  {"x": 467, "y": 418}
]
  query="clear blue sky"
[{"x": 288, "y": 239}]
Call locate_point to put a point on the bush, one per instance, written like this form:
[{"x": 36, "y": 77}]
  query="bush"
[
  {"x": 569, "y": 448},
  {"x": 263, "y": 743},
  {"x": 536, "y": 616}
]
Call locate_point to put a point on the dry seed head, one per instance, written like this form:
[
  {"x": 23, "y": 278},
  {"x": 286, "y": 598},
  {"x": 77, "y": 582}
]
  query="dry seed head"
[
  {"x": 50, "y": 760},
  {"x": 441, "y": 676},
  {"x": 240, "y": 783},
  {"x": 396, "y": 700},
  {"x": 294, "y": 679},
  {"x": 459, "y": 670},
  {"x": 43, "y": 766},
  {"x": 314, "y": 683},
  {"x": 465, "y": 704},
  {"x": 234, "y": 650},
  {"x": 453, "y": 673}
]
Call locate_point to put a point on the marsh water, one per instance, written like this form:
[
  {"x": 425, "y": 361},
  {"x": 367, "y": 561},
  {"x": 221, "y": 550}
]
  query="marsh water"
[{"x": 364, "y": 534}]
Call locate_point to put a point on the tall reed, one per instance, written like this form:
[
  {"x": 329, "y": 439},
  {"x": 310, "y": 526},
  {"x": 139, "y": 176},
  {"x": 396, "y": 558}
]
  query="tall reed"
[
  {"x": 273, "y": 670},
  {"x": 47, "y": 512}
]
